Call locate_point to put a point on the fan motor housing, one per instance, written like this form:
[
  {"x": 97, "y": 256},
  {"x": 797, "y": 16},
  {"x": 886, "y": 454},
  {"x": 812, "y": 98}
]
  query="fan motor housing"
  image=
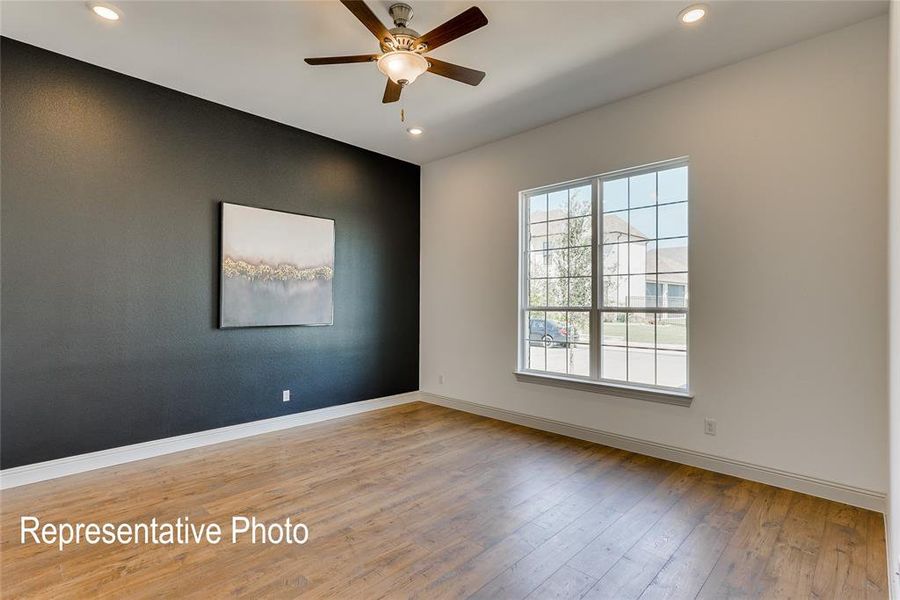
[
  {"x": 405, "y": 37},
  {"x": 405, "y": 40},
  {"x": 401, "y": 13}
]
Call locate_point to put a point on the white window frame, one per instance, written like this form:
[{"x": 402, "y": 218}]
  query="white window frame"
[{"x": 593, "y": 382}]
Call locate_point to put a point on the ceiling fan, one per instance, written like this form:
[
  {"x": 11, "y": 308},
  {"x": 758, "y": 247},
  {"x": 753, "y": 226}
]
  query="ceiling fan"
[{"x": 403, "y": 50}]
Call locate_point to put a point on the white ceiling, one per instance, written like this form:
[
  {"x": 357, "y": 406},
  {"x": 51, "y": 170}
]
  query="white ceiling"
[{"x": 544, "y": 60}]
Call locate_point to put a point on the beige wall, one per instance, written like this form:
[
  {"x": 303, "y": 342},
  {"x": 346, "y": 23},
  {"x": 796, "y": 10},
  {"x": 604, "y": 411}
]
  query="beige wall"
[
  {"x": 788, "y": 336},
  {"x": 894, "y": 296}
]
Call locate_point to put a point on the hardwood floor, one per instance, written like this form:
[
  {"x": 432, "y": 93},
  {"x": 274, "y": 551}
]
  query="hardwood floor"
[{"x": 420, "y": 501}]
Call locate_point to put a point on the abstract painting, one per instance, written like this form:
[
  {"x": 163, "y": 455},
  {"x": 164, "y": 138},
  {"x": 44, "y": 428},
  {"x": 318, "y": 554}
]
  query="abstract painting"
[{"x": 277, "y": 268}]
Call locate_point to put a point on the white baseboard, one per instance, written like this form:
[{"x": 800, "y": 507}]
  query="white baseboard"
[
  {"x": 71, "y": 465},
  {"x": 830, "y": 490},
  {"x": 869, "y": 499}
]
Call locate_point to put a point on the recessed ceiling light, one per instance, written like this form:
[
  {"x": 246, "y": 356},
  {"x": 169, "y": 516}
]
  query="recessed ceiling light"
[
  {"x": 105, "y": 11},
  {"x": 693, "y": 13},
  {"x": 415, "y": 131}
]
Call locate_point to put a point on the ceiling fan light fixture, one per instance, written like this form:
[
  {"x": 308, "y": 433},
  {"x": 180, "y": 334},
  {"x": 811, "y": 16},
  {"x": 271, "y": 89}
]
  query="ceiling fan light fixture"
[
  {"x": 402, "y": 48},
  {"x": 402, "y": 66}
]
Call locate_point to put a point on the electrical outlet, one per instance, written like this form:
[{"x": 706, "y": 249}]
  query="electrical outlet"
[
  {"x": 441, "y": 379},
  {"x": 286, "y": 396},
  {"x": 709, "y": 426}
]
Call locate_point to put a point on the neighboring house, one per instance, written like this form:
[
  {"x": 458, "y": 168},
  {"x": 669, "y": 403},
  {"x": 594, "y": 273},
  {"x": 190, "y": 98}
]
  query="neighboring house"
[{"x": 637, "y": 271}]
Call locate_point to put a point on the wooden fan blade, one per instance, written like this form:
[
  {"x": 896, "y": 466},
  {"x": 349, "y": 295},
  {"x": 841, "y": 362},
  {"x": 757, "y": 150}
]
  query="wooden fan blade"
[
  {"x": 391, "y": 92},
  {"x": 338, "y": 60},
  {"x": 455, "y": 72},
  {"x": 362, "y": 12},
  {"x": 463, "y": 23}
]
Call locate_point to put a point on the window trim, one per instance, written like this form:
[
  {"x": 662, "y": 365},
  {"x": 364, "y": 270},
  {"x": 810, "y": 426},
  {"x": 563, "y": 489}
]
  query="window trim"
[
  {"x": 660, "y": 394},
  {"x": 593, "y": 383}
]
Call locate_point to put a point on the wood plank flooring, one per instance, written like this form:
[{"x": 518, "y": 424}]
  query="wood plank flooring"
[{"x": 420, "y": 501}]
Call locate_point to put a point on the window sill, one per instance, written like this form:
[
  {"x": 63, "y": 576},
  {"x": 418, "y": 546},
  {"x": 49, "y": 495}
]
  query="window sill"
[{"x": 601, "y": 387}]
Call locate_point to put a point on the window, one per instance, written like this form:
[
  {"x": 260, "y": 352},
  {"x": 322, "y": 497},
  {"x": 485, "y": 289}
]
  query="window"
[{"x": 605, "y": 279}]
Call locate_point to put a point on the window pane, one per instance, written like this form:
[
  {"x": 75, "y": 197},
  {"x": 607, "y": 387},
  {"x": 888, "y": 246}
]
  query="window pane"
[
  {"x": 615, "y": 259},
  {"x": 615, "y": 194},
  {"x": 537, "y": 208},
  {"x": 557, "y": 241},
  {"x": 642, "y": 223},
  {"x": 612, "y": 363},
  {"x": 580, "y": 291},
  {"x": 673, "y": 185},
  {"x": 639, "y": 286},
  {"x": 641, "y": 330},
  {"x": 580, "y": 232},
  {"x": 615, "y": 290},
  {"x": 641, "y": 367},
  {"x": 537, "y": 264},
  {"x": 615, "y": 227},
  {"x": 535, "y": 347},
  {"x": 672, "y": 255},
  {"x": 538, "y": 236},
  {"x": 579, "y": 359},
  {"x": 557, "y": 263},
  {"x": 556, "y": 326},
  {"x": 558, "y": 205},
  {"x": 580, "y": 262},
  {"x": 642, "y": 190},
  {"x": 537, "y": 356},
  {"x": 557, "y": 234},
  {"x": 652, "y": 291},
  {"x": 557, "y": 292},
  {"x": 557, "y": 358},
  {"x": 537, "y": 292},
  {"x": 675, "y": 295},
  {"x": 555, "y": 340},
  {"x": 673, "y": 290},
  {"x": 580, "y": 201},
  {"x": 579, "y": 327},
  {"x": 652, "y": 256},
  {"x": 671, "y": 332},
  {"x": 671, "y": 368},
  {"x": 642, "y": 257},
  {"x": 612, "y": 329},
  {"x": 536, "y": 326},
  {"x": 673, "y": 220}
]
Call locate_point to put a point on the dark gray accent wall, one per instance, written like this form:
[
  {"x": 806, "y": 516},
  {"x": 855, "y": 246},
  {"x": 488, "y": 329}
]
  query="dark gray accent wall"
[{"x": 110, "y": 192}]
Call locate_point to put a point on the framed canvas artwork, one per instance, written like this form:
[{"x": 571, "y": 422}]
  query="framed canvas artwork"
[{"x": 277, "y": 268}]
